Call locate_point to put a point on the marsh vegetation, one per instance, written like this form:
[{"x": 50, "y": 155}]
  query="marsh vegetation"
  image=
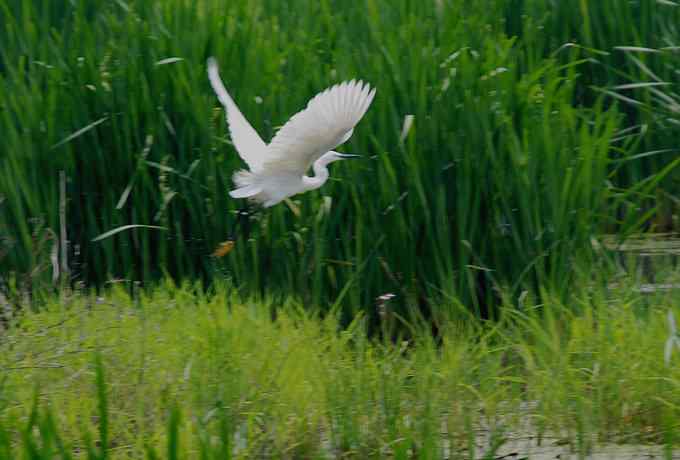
[{"x": 492, "y": 264}]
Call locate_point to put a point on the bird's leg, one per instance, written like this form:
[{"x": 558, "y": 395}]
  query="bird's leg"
[{"x": 243, "y": 221}]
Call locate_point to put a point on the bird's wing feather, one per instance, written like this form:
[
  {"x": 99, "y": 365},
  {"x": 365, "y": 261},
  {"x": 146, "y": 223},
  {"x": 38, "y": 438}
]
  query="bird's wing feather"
[
  {"x": 248, "y": 143},
  {"x": 326, "y": 122}
]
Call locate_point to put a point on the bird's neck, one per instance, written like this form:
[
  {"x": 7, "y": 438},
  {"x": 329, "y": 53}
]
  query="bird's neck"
[{"x": 320, "y": 172}]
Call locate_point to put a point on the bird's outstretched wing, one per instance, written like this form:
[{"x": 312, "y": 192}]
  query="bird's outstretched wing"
[
  {"x": 248, "y": 143},
  {"x": 326, "y": 122}
]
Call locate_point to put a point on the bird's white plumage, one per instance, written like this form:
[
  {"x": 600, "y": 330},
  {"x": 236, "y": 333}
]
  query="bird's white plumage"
[
  {"x": 248, "y": 143},
  {"x": 326, "y": 122},
  {"x": 278, "y": 170}
]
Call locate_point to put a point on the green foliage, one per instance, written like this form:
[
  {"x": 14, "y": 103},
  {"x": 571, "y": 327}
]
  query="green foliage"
[
  {"x": 512, "y": 164},
  {"x": 179, "y": 374}
]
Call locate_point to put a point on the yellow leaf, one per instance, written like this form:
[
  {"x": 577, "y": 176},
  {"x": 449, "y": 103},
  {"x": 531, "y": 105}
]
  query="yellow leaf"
[{"x": 224, "y": 248}]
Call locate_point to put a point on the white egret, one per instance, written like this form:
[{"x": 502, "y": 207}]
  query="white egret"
[{"x": 278, "y": 169}]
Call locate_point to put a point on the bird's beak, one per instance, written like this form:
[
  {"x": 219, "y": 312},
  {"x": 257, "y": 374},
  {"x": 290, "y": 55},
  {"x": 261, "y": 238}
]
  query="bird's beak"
[{"x": 347, "y": 155}]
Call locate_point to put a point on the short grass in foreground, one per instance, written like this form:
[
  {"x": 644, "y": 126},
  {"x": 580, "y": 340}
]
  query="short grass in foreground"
[{"x": 176, "y": 374}]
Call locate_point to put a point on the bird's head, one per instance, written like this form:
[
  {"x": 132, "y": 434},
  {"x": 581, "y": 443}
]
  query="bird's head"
[{"x": 331, "y": 156}]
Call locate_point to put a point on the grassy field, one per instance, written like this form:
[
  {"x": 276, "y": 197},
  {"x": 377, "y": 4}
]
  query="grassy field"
[
  {"x": 181, "y": 374},
  {"x": 524, "y": 146}
]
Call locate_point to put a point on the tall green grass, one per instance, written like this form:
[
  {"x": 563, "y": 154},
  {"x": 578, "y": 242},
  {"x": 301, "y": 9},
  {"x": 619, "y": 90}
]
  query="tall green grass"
[
  {"x": 514, "y": 162},
  {"x": 182, "y": 374}
]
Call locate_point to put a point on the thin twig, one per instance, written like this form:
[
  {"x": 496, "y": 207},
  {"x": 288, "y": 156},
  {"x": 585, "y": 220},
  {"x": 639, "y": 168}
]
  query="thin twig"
[{"x": 63, "y": 241}]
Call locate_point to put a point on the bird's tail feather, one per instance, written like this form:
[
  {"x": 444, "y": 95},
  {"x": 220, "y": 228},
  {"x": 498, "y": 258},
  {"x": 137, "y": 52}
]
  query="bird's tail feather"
[
  {"x": 246, "y": 186},
  {"x": 245, "y": 192}
]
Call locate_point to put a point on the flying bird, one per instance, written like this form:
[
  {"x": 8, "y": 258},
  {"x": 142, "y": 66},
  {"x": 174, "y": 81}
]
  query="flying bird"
[{"x": 278, "y": 170}]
